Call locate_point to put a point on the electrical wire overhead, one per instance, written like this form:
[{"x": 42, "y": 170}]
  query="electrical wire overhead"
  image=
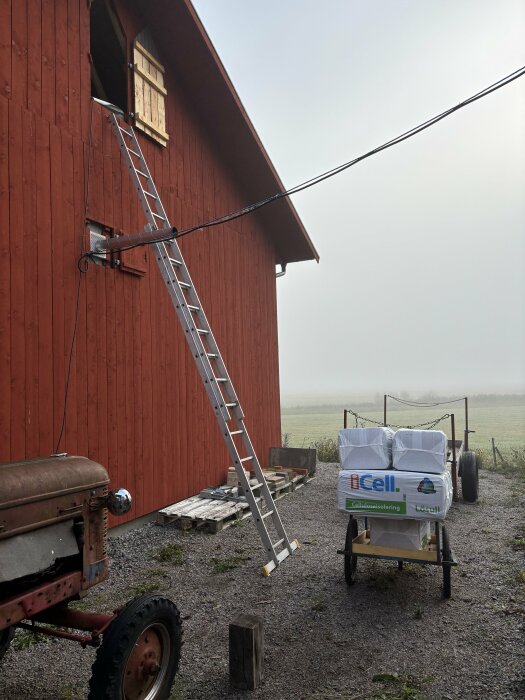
[{"x": 518, "y": 73}]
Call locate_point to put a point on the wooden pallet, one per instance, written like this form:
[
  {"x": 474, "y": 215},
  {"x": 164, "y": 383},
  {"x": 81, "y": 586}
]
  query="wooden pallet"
[
  {"x": 300, "y": 480},
  {"x": 204, "y": 513},
  {"x": 214, "y": 515},
  {"x": 297, "y": 478}
]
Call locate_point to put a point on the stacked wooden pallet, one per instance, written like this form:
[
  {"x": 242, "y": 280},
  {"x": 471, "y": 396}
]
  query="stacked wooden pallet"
[
  {"x": 209, "y": 514},
  {"x": 284, "y": 480},
  {"x": 216, "y": 509}
]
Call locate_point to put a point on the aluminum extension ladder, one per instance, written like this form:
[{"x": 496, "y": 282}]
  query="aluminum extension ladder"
[{"x": 205, "y": 352}]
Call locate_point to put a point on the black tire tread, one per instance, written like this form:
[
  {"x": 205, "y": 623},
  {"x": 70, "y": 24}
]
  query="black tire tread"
[
  {"x": 469, "y": 477},
  {"x": 137, "y": 614},
  {"x": 446, "y": 554},
  {"x": 350, "y": 564}
]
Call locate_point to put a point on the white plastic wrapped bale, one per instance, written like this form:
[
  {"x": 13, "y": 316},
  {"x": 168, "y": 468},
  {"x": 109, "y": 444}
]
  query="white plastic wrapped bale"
[
  {"x": 365, "y": 448},
  {"x": 394, "y": 494},
  {"x": 406, "y": 534},
  {"x": 420, "y": 451}
]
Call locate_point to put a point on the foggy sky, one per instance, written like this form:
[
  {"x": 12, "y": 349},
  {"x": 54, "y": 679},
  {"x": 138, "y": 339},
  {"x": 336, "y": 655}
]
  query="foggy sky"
[{"x": 421, "y": 282}]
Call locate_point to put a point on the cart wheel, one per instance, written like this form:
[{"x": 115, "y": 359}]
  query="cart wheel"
[
  {"x": 350, "y": 561},
  {"x": 5, "y": 640},
  {"x": 469, "y": 477},
  {"x": 140, "y": 652},
  {"x": 445, "y": 556}
]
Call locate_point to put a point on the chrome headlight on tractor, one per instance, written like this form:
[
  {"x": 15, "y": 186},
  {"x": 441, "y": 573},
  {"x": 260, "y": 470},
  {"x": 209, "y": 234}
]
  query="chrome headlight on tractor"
[{"x": 119, "y": 502}]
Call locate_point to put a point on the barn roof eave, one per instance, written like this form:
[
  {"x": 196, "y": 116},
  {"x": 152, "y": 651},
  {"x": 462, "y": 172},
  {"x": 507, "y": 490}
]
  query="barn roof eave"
[{"x": 197, "y": 63}]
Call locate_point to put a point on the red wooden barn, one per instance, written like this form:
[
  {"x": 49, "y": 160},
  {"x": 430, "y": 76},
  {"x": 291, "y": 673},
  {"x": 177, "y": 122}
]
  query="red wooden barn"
[{"x": 135, "y": 402}]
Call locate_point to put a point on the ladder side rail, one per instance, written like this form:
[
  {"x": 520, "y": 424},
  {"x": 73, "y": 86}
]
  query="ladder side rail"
[
  {"x": 162, "y": 258},
  {"x": 266, "y": 493},
  {"x": 192, "y": 337},
  {"x": 198, "y": 349},
  {"x": 168, "y": 272},
  {"x": 204, "y": 324},
  {"x": 250, "y": 496},
  {"x": 213, "y": 347}
]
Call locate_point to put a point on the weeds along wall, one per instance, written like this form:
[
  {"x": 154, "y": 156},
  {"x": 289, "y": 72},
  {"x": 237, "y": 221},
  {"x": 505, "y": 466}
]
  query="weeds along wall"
[{"x": 135, "y": 401}]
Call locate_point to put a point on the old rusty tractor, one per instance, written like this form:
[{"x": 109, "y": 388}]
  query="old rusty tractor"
[{"x": 53, "y": 537}]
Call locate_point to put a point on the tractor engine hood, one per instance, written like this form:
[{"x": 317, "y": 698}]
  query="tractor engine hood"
[{"x": 41, "y": 492}]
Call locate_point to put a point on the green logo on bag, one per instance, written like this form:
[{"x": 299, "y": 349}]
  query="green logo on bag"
[{"x": 372, "y": 506}]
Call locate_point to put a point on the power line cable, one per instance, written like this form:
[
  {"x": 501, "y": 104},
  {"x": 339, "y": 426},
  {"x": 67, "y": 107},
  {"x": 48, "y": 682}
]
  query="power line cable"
[
  {"x": 518, "y": 73},
  {"x": 81, "y": 273}
]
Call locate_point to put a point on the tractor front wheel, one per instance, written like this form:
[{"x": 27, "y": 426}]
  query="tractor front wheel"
[{"x": 140, "y": 652}]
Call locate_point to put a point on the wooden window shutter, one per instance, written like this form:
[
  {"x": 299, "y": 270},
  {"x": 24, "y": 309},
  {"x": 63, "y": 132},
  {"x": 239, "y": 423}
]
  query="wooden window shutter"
[{"x": 150, "y": 94}]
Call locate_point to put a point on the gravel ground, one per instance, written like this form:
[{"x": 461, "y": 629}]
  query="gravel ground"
[{"x": 323, "y": 640}]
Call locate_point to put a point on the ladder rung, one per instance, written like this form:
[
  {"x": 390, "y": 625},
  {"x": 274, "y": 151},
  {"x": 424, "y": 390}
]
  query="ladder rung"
[
  {"x": 212, "y": 355},
  {"x": 231, "y": 405},
  {"x": 285, "y": 552},
  {"x": 149, "y": 194},
  {"x": 276, "y": 544},
  {"x": 125, "y": 131},
  {"x": 175, "y": 262},
  {"x": 202, "y": 331},
  {"x": 267, "y": 515},
  {"x": 184, "y": 285},
  {"x": 237, "y": 432},
  {"x": 135, "y": 153},
  {"x": 222, "y": 380},
  {"x": 255, "y": 487},
  {"x": 195, "y": 308},
  {"x": 159, "y": 216},
  {"x": 139, "y": 172},
  {"x": 246, "y": 459}
]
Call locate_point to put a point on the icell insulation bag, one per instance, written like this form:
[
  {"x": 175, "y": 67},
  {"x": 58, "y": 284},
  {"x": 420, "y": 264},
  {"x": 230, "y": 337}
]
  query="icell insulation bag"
[
  {"x": 365, "y": 448},
  {"x": 420, "y": 451},
  {"x": 394, "y": 494}
]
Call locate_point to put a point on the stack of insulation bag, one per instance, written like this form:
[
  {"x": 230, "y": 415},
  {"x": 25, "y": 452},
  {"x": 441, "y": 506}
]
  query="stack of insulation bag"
[{"x": 395, "y": 476}]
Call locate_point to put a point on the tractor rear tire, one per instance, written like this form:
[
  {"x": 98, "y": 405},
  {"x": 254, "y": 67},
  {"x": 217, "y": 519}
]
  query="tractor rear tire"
[
  {"x": 469, "y": 477},
  {"x": 140, "y": 652}
]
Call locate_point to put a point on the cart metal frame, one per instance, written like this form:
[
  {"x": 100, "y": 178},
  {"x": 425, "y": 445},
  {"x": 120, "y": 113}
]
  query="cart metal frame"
[{"x": 437, "y": 553}]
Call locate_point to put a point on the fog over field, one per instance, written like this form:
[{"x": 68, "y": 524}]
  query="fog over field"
[{"x": 421, "y": 281}]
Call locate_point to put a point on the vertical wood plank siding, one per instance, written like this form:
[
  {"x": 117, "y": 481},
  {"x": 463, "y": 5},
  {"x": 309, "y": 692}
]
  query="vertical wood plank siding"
[{"x": 135, "y": 402}]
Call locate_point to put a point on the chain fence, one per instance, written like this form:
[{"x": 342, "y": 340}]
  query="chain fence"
[{"x": 426, "y": 426}]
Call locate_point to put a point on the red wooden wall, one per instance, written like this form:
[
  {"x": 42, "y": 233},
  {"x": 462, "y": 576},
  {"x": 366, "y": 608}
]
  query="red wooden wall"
[{"x": 135, "y": 401}]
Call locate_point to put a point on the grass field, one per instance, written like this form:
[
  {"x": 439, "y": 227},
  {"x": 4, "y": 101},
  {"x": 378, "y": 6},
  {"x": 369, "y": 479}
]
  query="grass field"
[{"x": 500, "y": 418}]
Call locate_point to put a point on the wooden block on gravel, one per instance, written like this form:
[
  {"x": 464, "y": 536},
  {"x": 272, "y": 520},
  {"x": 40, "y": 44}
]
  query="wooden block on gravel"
[{"x": 246, "y": 651}]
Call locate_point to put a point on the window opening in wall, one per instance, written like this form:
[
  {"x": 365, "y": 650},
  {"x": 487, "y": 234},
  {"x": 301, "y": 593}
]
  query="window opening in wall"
[{"x": 108, "y": 56}]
